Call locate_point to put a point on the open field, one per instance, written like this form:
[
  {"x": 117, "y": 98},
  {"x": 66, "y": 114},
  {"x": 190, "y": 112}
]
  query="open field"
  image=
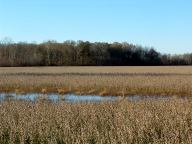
[
  {"x": 99, "y": 80},
  {"x": 106, "y": 122},
  {"x": 121, "y": 121}
]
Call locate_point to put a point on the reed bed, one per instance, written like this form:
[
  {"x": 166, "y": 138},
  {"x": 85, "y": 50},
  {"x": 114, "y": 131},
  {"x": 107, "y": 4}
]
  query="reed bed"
[
  {"x": 107, "y": 122},
  {"x": 99, "y": 80},
  {"x": 99, "y": 69}
]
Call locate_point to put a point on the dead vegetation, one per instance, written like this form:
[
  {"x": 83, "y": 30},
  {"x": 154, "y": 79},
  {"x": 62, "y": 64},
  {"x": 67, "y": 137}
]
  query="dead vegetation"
[
  {"x": 99, "y": 80},
  {"x": 106, "y": 122}
]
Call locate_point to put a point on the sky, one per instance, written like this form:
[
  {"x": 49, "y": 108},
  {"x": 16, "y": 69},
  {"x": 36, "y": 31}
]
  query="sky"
[{"x": 165, "y": 25}]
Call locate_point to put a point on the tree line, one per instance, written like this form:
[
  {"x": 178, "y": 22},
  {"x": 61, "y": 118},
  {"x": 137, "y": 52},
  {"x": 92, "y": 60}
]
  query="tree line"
[{"x": 84, "y": 53}]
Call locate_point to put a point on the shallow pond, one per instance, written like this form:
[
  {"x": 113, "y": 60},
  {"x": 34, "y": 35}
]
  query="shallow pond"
[{"x": 53, "y": 97}]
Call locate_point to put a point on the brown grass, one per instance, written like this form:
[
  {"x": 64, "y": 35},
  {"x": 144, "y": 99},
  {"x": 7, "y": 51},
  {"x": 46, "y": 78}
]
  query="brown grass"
[
  {"x": 99, "y": 80},
  {"x": 107, "y": 122}
]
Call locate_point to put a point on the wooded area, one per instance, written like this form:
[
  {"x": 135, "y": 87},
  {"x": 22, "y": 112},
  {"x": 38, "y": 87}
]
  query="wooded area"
[{"x": 80, "y": 53}]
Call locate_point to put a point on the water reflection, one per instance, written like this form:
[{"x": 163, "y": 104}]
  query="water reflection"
[{"x": 72, "y": 97}]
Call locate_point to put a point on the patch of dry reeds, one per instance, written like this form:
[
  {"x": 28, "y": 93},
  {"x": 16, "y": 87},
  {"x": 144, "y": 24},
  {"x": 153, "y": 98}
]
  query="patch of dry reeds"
[
  {"x": 99, "y": 80},
  {"x": 106, "y": 122}
]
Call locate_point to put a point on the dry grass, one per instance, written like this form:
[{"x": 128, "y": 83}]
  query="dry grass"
[
  {"x": 99, "y": 80},
  {"x": 164, "y": 121},
  {"x": 100, "y": 69},
  {"x": 118, "y": 122}
]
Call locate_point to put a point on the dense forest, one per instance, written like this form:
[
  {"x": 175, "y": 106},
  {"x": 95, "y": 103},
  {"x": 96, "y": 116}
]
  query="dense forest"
[{"x": 81, "y": 53}]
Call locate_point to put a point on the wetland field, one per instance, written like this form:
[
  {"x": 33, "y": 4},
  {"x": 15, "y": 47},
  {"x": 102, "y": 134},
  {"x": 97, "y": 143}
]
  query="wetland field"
[
  {"x": 122, "y": 122},
  {"x": 66, "y": 105},
  {"x": 115, "y": 81}
]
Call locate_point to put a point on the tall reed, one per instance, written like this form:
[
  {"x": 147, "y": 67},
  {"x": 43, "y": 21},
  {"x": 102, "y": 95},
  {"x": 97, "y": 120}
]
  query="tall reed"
[{"x": 107, "y": 122}]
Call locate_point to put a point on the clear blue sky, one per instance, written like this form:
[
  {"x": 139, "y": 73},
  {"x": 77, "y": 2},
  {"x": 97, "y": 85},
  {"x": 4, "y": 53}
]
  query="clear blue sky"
[{"x": 163, "y": 24}]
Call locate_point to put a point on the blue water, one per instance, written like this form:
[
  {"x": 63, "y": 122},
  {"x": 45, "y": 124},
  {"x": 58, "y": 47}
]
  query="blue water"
[{"x": 53, "y": 97}]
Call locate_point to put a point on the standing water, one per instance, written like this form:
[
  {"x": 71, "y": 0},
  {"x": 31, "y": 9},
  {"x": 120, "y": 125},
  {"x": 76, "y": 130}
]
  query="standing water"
[{"x": 53, "y": 97}]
